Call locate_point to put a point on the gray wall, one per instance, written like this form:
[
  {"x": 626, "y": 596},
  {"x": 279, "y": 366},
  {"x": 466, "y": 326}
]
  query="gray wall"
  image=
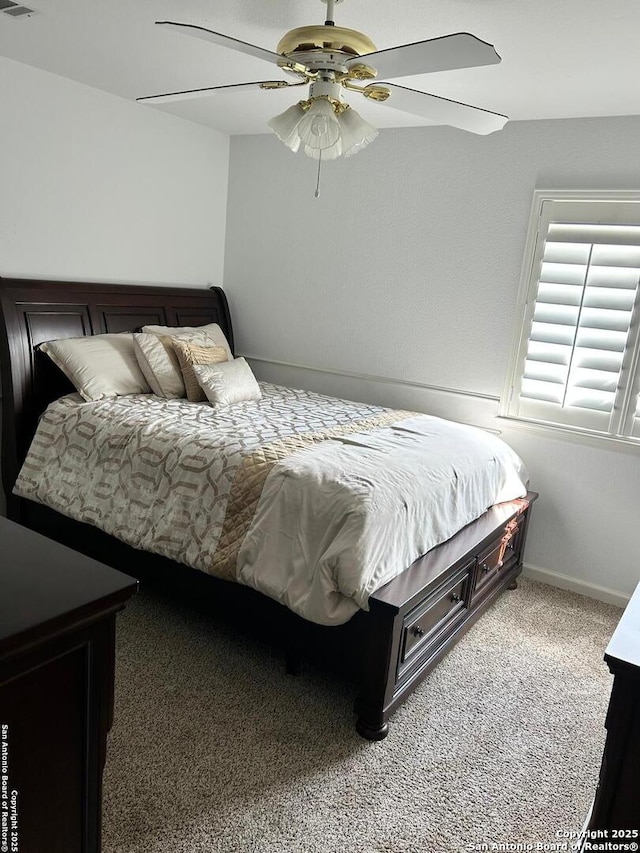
[
  {"x": 96, "y": 187},
  {"x": 407, "y": 268}
]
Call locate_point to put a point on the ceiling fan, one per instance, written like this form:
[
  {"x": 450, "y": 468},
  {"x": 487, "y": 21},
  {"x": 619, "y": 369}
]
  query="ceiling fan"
[{"x": 332, "y": 59}]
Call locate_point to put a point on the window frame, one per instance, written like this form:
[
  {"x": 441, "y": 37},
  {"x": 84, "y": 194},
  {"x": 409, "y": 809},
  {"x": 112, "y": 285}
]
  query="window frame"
[{"x": 622, "y": 426}]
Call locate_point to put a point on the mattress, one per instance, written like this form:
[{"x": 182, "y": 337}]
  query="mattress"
[{"x": 312, "y": 500}]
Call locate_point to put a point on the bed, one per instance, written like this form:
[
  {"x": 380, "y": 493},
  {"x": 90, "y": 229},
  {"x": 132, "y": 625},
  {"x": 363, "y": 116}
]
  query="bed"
[{"x": 400, "y": 628}]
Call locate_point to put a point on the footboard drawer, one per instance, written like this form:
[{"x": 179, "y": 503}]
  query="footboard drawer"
[
  {"x": 427, "y": 621},
  {"x": 419, "y": 615}
]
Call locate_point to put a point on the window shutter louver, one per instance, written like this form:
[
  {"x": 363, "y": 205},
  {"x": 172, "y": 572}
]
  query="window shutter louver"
[{"x": 580, "y": 326}]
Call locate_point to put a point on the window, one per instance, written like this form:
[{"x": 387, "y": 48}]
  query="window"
[{"x": 576, "y": 360}]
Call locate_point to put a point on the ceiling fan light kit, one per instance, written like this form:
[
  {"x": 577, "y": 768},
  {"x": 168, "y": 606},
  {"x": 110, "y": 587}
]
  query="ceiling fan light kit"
[
  {"x": 332, "y": 60},
  {"x": 325, "y": 125}
]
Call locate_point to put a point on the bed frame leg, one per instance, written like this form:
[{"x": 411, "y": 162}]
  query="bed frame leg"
[{"x": 369, "y": 732}]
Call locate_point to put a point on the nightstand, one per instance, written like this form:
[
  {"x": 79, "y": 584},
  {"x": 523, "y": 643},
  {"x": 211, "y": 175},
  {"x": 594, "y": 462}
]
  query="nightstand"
[{"x": 57, "y": 657}]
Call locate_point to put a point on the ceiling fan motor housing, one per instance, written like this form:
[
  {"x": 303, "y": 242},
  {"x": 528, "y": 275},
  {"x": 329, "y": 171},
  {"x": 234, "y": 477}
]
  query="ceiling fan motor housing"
[{"x": 324, "y": 47}]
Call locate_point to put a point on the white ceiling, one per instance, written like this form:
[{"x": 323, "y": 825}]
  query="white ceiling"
[{"x": 560, "y": 58}]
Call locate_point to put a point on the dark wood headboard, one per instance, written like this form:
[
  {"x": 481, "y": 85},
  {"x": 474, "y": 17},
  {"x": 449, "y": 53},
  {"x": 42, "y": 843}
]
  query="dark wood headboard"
[{"x": 33, "y": 311}]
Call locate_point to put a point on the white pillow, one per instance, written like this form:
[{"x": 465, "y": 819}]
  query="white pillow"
[
  {"x": 159, "y": 364},
  {"x": 227, "y": 382},
  {"x": 198, "y": 334},
  {"x": 99, "y": 366}
]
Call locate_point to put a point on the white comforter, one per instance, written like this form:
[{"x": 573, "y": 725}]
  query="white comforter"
[{"x": 347, "y": 495}]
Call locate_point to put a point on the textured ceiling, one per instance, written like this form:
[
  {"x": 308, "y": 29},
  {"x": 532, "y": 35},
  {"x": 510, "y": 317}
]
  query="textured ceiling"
[{"x": 561, "y": 58}]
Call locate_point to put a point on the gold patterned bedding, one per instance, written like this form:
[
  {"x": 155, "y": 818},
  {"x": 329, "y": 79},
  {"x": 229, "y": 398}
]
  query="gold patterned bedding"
[{"x": 312, "y": 500}]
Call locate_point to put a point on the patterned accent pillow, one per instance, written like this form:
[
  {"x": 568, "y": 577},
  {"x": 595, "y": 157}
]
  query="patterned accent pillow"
[
  {"x": 211, "y": 334},
  {"x": 228, "y": 382},
  {"x": 191, "y": 353}
]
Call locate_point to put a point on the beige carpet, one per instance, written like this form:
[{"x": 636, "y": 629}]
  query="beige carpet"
[{"x": 215, "y": 748}]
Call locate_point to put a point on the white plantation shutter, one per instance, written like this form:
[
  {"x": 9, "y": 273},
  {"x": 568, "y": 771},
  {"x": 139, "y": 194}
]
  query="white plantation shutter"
[{"x": 577, "y": 356}]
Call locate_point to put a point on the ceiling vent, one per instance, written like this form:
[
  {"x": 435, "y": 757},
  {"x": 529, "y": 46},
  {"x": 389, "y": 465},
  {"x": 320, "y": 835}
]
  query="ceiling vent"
[{"x": 14, "y": 9}]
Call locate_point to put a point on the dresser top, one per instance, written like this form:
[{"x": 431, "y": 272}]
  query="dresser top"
[
  {"x": 46, "y": 587},
  {"x": 624, "y": 645}
]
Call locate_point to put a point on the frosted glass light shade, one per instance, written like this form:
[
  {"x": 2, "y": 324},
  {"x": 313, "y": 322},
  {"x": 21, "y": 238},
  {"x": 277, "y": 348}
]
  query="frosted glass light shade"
[
  {"x": 327, "y": 153},
  {"x": 356, "y": 133},
  {"x": 285, "y": 126},
  {"x": 319, "y": 129}
]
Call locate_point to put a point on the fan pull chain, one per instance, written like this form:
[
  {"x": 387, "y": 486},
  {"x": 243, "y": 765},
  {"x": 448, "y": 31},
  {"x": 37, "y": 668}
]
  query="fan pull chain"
[{"x": 317, "y": 192}]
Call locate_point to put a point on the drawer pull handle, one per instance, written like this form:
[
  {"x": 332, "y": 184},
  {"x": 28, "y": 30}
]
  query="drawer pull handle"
[
  {"x": 418, "y": 631},
  {"x": 454, "y": 597},
  {"x": 485, "y": 568},
  {"x": 506, "y": 541}
]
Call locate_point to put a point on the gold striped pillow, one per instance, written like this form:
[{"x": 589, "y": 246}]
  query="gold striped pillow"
[{"x": 189, "y": 354}]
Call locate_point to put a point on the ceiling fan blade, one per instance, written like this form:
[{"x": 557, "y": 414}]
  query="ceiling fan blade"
[
  {"x": 223, "y": 41},
  {"x": 459, "y": 50},
  {"x": 208, "y": 90},
  {"x": 442, "y": 110}
]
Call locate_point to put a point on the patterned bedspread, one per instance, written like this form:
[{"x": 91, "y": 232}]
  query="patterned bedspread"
[{"x": 312, "y": 500}]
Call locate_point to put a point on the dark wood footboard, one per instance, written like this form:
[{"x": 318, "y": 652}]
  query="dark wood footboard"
[{"x": 417, "y": 617}]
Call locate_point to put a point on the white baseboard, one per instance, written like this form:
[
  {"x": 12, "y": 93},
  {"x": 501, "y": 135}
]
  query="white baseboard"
[{"x": 591, "y": 590}]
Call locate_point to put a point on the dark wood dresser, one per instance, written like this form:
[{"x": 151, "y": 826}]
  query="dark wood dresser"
[
  {"x": 617, "y": 802},
  {"x": 57, "y": 655}
]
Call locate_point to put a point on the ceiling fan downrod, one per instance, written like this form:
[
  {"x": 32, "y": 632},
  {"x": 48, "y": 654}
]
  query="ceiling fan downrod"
[{"x": 330, "y": 6}]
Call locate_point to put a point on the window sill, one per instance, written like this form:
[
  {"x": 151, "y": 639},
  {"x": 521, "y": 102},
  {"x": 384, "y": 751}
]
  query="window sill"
[{"x": 572, "y": 434}]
